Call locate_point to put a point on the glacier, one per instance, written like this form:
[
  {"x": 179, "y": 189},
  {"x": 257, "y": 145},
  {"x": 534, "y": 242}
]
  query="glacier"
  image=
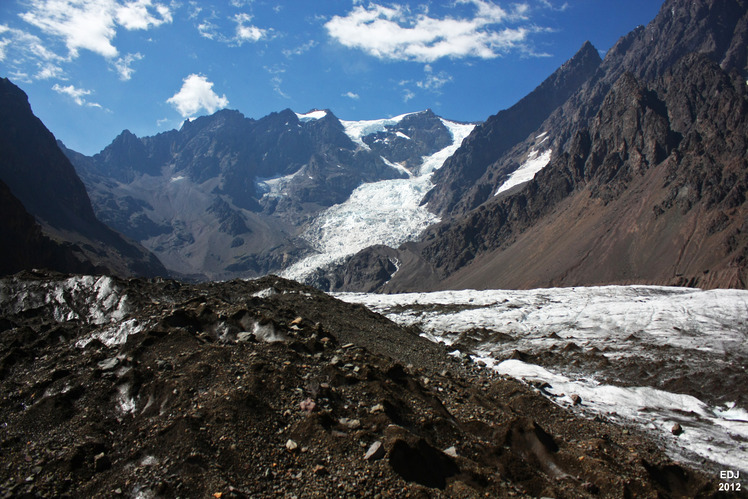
[
  {"x": 386, "y": 212},
  {"x": 618, "y": 347}
]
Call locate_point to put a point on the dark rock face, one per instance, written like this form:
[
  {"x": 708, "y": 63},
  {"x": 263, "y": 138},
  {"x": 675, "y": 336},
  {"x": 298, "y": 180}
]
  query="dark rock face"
[
  {"x": 661, "y": 174},
  {"x": 39, "y": 175},
  {"x": 458, "y": 188},
  {"x": 26, "y": 247},
  {"x": 406, "y": 142}
]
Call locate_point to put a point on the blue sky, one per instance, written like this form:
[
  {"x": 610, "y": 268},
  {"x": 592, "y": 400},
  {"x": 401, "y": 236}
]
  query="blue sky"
[{"x": 92, "y": 68}]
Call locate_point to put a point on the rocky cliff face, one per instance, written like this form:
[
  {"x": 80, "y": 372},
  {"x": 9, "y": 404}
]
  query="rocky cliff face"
[
  {"x": 468, "y": 178},
  {"x": 646, "y": 183},
  {"x": 644, "y": 195},
  {"x": 26, "y": 247},
  {"x": 39, "y": 175}
]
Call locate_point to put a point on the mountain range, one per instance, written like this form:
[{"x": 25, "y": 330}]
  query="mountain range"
[{"x": 626, "y": 169}]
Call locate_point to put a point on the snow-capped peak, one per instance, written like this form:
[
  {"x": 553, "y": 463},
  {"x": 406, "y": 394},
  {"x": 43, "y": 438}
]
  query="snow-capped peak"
[
  {"x": 356, "y": 130},
  {"x": 317, "y": 114}
]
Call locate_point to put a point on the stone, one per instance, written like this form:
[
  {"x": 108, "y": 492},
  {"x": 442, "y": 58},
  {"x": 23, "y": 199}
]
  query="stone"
[
  {"x": 451, "y": 451},
  {"x": 677, "y": 429},
  {"x": 575, "y": 399},
  {"x": 108, "y": 364},
  {"x": 291, "y": 446},
  {"x": 377, "y": 408},
  {"x": 102, "y": 462},
  {"x": 308, "y": 405},
  {"x": 376, "y": 451}
]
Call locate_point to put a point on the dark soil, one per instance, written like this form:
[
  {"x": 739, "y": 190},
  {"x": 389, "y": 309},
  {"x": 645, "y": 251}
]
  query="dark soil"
[{"x": 193, "y": 406}]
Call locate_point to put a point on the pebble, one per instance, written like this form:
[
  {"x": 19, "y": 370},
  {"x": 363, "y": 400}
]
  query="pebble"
[
  {"x": 308, "y": 405},
  {"x": 677, "y": 429},
  {"x": 377, "y": 408},
  {"x": 291, "y": 445},
  {"x": 451, "y": 451},
  {"x": 576, "y": 399},
  {"x": 376, "y": 451}
]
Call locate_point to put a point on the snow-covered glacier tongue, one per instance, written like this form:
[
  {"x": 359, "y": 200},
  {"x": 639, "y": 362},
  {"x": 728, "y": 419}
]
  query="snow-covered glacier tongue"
[
  {"x": 646, "y": 356},
  {"x": 386, "y": 212}
]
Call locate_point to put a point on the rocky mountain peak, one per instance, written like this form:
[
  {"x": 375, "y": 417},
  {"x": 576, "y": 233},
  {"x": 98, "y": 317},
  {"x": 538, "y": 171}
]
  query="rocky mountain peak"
[{"x": 459, "y": 184}]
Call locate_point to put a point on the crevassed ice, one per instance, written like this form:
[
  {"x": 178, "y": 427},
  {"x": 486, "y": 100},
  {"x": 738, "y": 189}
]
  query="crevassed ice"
[
  {"x": 702, "y": 328},
  {"x": 386, "y": 212}
]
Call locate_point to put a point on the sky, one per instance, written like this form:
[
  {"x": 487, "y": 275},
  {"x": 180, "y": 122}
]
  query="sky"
[{"x": 92, "y": 68}]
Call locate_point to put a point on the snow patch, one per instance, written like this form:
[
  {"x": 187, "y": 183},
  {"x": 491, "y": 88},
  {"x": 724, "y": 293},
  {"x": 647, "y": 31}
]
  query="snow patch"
[
  {"x": 313, "y": 115},
  {"x": 357, "y": 130},
  {"x": 274, "y": 186},
  {"x": 526, "y": 172}
]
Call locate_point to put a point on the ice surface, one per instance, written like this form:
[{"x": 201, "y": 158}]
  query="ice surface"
[
  {"x": 701, "y": 330},
  {"x": 385, "y": 212},
  {"x": 535, "y": 162},
  {"x": 274, "y": 186},
  {"x": 95, "y": 299}
]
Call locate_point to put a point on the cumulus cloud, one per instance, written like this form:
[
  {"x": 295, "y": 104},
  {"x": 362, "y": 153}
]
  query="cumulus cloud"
[
  {"x": 77, "y": 94},
  {"x": 351, "y": 95},
  {"x": 197, "y": 94},
  {"x": 395, "y": 33},
  {"x": 92, "y": 24}
]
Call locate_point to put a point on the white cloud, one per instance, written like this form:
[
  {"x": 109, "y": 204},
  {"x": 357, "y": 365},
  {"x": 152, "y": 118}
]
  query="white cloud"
[
  {"x": 434, "y": 81},
  {"x": 276, "y": 82},
  {"x": 123, "y": 65},
  {"x": 301, "y": 49},
  {"x": 19, "y": 49},
  {"x": 197, "y": 94},
  {"x": 50, "y": 70},
  {"x": 397, "y": 34},
  {"x": 76, "y": 94},
  {"x": 246, "y": 32},
  {"x": 407, "y": 95},
  {"x": 92, "y": 24},
  {"x": 3, "y": 43},
  {"x": 136, "y": 15},
  {"x": 351, "y": 95}
]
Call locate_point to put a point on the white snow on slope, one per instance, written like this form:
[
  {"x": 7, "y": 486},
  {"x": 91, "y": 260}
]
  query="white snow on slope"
[
  {"x": 312, "y": 115},
  {"x": 699, "y": 329},
  {"x": 385, "y": 212},
  {"x": 535, "y": 162},
  {"x": 356, "y": 130}
]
